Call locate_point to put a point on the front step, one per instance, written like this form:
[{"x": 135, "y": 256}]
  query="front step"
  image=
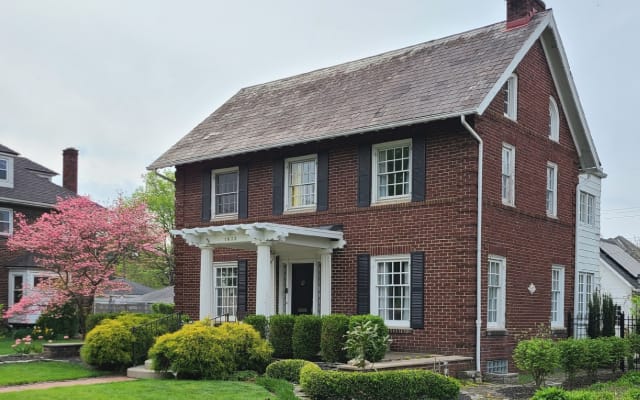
[{"x": 145, "y": 372}]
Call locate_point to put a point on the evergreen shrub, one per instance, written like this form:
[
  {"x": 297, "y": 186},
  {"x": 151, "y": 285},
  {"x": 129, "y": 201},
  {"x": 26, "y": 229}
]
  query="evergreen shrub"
[
  {"x": 305, "y": 340},
  {"x": 333, "y": 337}
]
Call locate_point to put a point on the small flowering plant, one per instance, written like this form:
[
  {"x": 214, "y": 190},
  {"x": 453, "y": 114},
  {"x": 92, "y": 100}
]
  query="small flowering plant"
[
  {"x": 24, "y": 345},
  {"x": 43, "y": 333}
]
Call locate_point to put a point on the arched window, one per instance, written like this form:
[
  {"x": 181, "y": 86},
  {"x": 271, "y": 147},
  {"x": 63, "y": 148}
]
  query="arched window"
[{"x": 554, "y": 120}]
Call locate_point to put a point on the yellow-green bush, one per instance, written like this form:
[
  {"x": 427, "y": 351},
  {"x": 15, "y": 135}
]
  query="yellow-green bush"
[
  {"x": 201, "y": 351},
  {"x": 108, "y": 346}
]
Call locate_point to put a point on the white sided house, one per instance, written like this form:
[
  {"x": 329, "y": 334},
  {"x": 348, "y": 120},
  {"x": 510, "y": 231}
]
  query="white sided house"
[{"x": 620, "y": 271}]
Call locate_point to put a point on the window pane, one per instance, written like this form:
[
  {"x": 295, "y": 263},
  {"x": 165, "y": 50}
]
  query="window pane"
[
  {"x": 226, "y": 290},
  {"x": 226, "y": 193},
  {"x": 393, "y": 171},
  {"x": 393, "y": 290},
  {"x": 302, "y": 183}
]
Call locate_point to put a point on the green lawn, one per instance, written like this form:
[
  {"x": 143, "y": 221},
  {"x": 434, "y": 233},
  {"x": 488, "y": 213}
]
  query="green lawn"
[
  {"x": 42, "y": 371},
  {"x": 150, "y": 390},
  {"x": 5, "y": 344}
]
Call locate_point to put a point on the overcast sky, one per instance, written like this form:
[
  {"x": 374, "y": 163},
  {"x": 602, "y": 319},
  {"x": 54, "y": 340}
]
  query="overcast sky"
[{"x": 123, "y": 80}]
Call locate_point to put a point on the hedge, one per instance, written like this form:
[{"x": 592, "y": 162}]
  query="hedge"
[
  {"x": 305, "y": 340},
  {"x": 259, "y": 323},
  {"x": 289, "y": 370},
  {"x": 280, "y": 334},
  {"x": 384, "y": 385},
  {"x": 332, "y": 337}
]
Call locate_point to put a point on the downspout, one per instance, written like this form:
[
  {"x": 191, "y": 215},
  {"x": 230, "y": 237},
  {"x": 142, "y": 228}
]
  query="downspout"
[{"x": 475, "y": 135}]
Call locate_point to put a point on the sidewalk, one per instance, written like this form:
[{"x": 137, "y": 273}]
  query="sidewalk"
[{"x": 75, "y": 382}]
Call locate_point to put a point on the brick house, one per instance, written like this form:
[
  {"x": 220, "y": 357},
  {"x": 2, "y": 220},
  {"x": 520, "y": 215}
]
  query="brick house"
[
  {"x": 26, "y": 187},
  {"x": 435, "y": 186}
]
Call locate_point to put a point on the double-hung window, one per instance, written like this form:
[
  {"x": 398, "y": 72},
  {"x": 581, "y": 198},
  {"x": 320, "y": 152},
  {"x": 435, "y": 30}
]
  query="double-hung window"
[
  {"x": 226, "y": 288},
  {"x": 392, "y": 171},
  {"x": 552, "y": 190},
  {"x": 585, "y": 290},
  {"x": 301, "y": 175},
  {"x": 557, "y": 296},
  {"x": 496, "y": 293},
  {"x": 554, "y": 120},
  {"x": 510, "y": 97},
  {"x": 587, "y": 208},
  {"x": 6, "y": 171},
  {"x": 6, "y": 221},
  {"x": 391, "y": 290},
  {"x": 225, "y": 192},
  {"x": 508, "y": 174}
]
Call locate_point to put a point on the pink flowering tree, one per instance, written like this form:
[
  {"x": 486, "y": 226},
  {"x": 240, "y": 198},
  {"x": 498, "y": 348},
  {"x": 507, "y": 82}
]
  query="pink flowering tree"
[{"x": 81, "y": 243}]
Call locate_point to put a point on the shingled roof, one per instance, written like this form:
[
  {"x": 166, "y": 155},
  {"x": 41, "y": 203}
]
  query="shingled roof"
[
  {"x": 31, "y": 184},
  {"x": 439, "y": 79}
]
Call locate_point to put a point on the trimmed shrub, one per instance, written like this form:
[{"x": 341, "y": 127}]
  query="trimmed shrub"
[
  {"x": 550, "y": 393},
  {"x": 595, "y": 352},
  {"x": 376, "y": 350},
  {"x": 333, "y": 337},
  {"x": 384, "y": 385},
  {"x": 94, "y": 319},
  {"x": 618, "y": 349},
  {"x": 62, "y": 321},
  {"x": 571, "y": 357},
  {"x": 289, "y": 370},
  {"x": 280, "y": 334},
  {"x": 202, "y": 351},
  {"x": 249, "y": 350},
  {"x": 305, "y": 341},
  {"x": 163, "y": 308},
  {"x": 259, "y": 323},
  {"x": 195, "y": 351},
  {"x": 539, "y": 357}
]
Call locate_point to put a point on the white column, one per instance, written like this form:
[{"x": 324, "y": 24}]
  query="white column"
[
  {"x": 206, "y": 283},
  {"x": 264, "y": 281},
  {"x": 325, "y": 282}
]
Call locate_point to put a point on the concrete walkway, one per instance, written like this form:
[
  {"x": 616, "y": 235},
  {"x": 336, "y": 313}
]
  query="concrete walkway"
[{"x": 74, "y": 382}]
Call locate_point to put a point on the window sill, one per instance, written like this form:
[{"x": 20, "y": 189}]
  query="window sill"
[
  {"x": 391, "y": 200},
  {"x": 223, "y": 217},
  {"x": 400, "y": 330},
  {"x": 507, "y": 204},
  {"x": 300, "y": 210},
  {"x": 510, "y": 118},
  {"x": 497, "y": 332}
]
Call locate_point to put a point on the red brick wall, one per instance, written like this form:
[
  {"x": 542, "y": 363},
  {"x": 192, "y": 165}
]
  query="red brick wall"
[
  {"x": 530, "y": 241},
  {"x": 443, "y": 226}
]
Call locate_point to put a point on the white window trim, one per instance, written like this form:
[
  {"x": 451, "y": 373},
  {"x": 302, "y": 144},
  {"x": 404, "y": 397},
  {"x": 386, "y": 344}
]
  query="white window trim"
[
  {"x": 214, "y": 173},
  {"x": 553, "y": 213},
  {"x": 10, "y": 222},
  {"x": 512, "y": 108},
  {"x": 559, "y": 321},
  {"x": 224, "y": 264},
  {"x": 499, "y": 324},
  {"x": 554, "y": 120},
  {"x": 511, "y": 201},
  {"x": 9, "y": 181},
  {"x": 287, "y": 194},
  {"x": 586, "y": 218},
  {"x": 374, "y": 290},
  {"x": 374, "y": 172},
  {"x": 583, "y": 295}
]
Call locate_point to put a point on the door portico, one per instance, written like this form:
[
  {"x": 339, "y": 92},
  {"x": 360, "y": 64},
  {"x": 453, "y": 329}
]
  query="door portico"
[{"x": 271, "y": 242}]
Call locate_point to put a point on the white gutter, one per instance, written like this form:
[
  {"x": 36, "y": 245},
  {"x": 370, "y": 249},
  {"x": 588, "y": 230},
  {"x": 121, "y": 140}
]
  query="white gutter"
[
  {"x": 475, "y": 135},
  {"x": 25, "y": 202}
]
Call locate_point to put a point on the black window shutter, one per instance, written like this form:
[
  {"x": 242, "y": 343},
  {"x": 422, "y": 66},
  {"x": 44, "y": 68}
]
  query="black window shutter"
[
  {"x": 323, "y": 181},
  {"x": 364, "y": 175},
  {"x": 206, "y": 195},
  {"x": 417, "y": 290},
  {"x": 418, "y": 168},
  {"x": 242, "y": 289},
  {"x": 278, "y": 187},
  {"x": 243, "y": 198},
  {"x": 363, "y": 284}
]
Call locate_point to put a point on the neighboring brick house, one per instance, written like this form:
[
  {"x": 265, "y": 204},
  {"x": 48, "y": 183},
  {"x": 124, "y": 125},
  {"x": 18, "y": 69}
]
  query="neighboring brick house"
[
  {"x": 433, "y": 185},
  {"x": 26, "y": 187}
]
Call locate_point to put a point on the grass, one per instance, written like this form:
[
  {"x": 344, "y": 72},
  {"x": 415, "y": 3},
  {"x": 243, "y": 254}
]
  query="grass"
[
  {"x": 6, "y": 343},
  {"x": 42, "y": 371},
  {"x": 152, "y": 390}
]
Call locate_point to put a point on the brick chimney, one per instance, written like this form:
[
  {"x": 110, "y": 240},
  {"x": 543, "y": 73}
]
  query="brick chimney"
[
  {"x": 70, "y": 169},
  {"x": 520, "y": 12}
]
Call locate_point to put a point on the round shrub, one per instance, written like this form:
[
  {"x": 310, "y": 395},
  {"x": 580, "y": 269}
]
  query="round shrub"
[
  {"x": 305, "y": 340},
  {"x": 618, "y": 349},
  {"x": 550, "y": 393},
  {"x": 539, "y": 357},
  {"x": 280, "y": 334},
  {"x": 595, "y": 353},
  {"x": 195, "y": 351},
  {"x": 108, "y": 346},
  {"x": 94, "y": 319},
  {"x": 259, "y": 323},
  {"x": 249, "y": 350},
  {"x": 384, "y": 385},
  {"x": 332, "y": 337},
  {"x": 367, "y": 338},
  {"x": 571, "y": 357},
  {"x": 289, "y": 370}
]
